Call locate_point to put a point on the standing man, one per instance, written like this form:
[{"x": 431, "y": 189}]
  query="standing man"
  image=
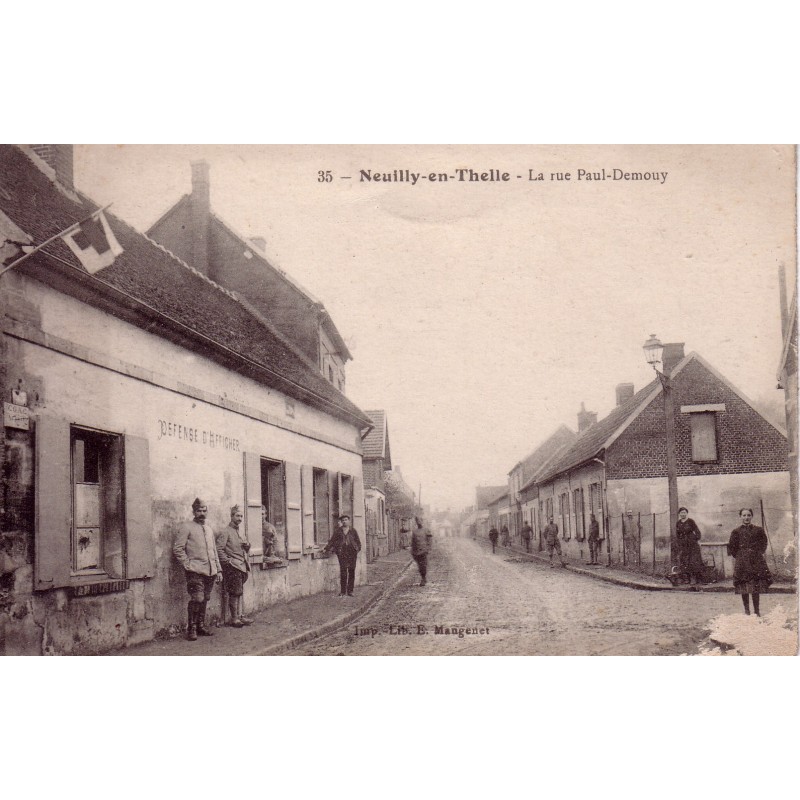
[
  {"x": 195, "y": 549},
  {"x": 493, "y": 537},
  {"x": 420, "y": 547},
  {"x": 594, "y": 539},
  {"x": 527, "y": 533},
  {"x": 347, "y": 545},
  {"x": 551, "y": 537},
  {"x": 232, "y": 551}
]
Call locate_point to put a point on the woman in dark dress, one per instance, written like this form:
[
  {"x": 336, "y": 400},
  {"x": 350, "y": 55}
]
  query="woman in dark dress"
[
  {"x": 751, "y": 576},
  {"x": 690, "y": 560}
]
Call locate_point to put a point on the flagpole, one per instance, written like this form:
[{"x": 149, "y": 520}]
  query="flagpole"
[{"x": 51, "y": 239}]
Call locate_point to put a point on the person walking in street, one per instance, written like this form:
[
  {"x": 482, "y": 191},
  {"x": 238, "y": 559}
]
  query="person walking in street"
[
  {"x": 594, "y": 539},
  {"x": 690, "y": 559},
  {"x": 346, "y": 543},
  {"x": 505, "y": 538},
  {"x": 196, "y": 551},
  {"x": 527, "y": 534},
  {"x": 232, "y": 551},
  {"x": 751, "y": 576},
  {"x": 420, "y": 547},
  {"x": 493, "y": 538},
  {"x": 553, "y": 545}
]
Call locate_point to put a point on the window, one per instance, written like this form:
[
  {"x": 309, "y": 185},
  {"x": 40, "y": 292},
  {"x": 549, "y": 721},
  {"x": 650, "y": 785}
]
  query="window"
[
  {"x": 93, "y": 507},
  {"x": 273, "y": 497},
  {"x": 704, "y": 436},
  {"x": 580, "y": 521},
  {"x": 98, "y": 519},
  {"x": 563, "y": 510}
]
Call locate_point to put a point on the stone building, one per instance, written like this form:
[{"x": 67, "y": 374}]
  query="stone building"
[
  {"x": 381, "y": 537},
  {"x": 138, "y": 389}
]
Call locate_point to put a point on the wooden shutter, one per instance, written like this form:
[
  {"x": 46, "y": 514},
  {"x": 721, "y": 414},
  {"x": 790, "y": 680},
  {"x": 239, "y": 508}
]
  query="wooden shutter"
[
  {"x": 307, "y": 492},
  {"x": 252, "y": 502},
  {"x": 704, "y": 437},
  {"x": 294, "y": 512},
  {"x": 141, "y": 550},
  {"x": 53, "y": 504},
  {"x": 358, "y": 503},
  {"x": 335, "y": 483}
]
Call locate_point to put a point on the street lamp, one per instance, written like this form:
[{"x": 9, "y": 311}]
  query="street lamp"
[{"x": 653, "y": 353}]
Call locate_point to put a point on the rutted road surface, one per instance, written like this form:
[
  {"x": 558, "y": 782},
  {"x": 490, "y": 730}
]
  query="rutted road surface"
[{"x": 477, "y": 603}]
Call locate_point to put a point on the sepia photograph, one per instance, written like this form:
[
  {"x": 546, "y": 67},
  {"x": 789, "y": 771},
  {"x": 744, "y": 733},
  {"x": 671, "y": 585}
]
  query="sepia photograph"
[{"x": 398, "y": 400}]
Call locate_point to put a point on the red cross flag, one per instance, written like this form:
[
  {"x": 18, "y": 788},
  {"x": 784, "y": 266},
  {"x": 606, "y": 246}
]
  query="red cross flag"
[{"x": 93, "y": 243}]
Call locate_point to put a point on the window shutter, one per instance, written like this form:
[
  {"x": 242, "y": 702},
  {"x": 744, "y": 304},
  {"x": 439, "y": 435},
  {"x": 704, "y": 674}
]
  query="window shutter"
[
  {"x": 358, "y": 503},
  {"x": 294, "y": 511},
  {"x": 335, "y": 498},
  {"x": 704, "y": 437},
  {"x": 53, "y": 504},
  {"x": 252, "y": 502},
  {"x": 307, "y": 491},
  {"x": 138, "y": 509}
]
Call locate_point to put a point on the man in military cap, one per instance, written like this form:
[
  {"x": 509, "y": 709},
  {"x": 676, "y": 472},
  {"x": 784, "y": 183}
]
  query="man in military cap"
[
  {"x": 195, "y": 549},
  {"x": 232, "y": 550}
]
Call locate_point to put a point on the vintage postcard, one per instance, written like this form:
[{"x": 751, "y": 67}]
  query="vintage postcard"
[{"x": 398, "y": 400}]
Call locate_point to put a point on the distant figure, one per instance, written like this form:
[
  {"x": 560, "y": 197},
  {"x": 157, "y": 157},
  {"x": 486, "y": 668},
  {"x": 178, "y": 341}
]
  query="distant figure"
[
  {"x": 594, "y": 539},
  {"x": 404, "y": 531},
  {"x": 420, "y": 547},
  {"x": 690, "y": 559},
  {"x": 505, "y": 538},
  {"x": 493, "y": 538},
  {"x": 553, "y": 545},
  {"x": 346, "y": 543},
  {"x": 527, "y": 535},
  {"x": 195, "y": 549},
  {"x": 232, "y": 550},
  {"x": 751, "y": 576}
]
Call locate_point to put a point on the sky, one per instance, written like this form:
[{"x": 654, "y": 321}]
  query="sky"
[{"x": 481, "y": 314}]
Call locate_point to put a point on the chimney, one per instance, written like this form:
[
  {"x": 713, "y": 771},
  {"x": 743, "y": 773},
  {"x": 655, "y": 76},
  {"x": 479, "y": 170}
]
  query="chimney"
[
  {"x": 673, "y": 354},
  {"x": 624, "y": 392},
  {"x": 260, "y": 242},
  {"x": 59, "y": 157},
  {"x": 199, "y": 215},
  {"x": 586, "y": 419}
]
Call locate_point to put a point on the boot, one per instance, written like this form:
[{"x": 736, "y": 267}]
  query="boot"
[
  {"x": 233, "y": 606},
  {"x": 201, "y": 621},
  {"x": 242, "y": 618},
  {"x": 191, "y": 629}
]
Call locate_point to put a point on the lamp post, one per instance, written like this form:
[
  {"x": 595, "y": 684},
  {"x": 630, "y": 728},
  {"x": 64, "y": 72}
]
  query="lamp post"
[{"x": 653, "y": 352}]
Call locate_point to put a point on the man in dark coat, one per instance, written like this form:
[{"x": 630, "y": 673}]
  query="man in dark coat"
[
  {"x": 420, "y": 547},
  {"x": 493, "y": 537},
  {"x": 527, "y": 533},
  {"x": 553, "y": 545},
  {"x": 594, "y": 539},
  {"x": 347, "y": 545}
]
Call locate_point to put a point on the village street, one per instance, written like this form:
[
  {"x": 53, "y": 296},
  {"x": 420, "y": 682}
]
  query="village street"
[{"x": 526, "y": 608}]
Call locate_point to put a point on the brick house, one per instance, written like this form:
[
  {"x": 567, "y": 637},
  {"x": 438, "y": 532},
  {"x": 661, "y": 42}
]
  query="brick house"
[
  {"x": 196, "y": 234},
  {"x": 142, "y": 387},
  {"x": 728, "y": 456}
]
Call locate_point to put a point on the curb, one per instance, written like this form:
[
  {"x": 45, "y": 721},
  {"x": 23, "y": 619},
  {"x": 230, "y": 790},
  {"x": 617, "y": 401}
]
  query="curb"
[
  {"x": 646, "y": 587},
  {"x": 334, "y": 624}
]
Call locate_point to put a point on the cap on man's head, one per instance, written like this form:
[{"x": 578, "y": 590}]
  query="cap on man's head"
[
  {"x": 198, "y": 503},
  {"x": 237, "y": 509},
  {"x": 343, "y": 516}
]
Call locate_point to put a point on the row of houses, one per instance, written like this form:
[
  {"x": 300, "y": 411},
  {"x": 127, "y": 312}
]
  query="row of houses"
[
  {"x": 728, "y": 456},
  {"x": 190, "y": 367}
]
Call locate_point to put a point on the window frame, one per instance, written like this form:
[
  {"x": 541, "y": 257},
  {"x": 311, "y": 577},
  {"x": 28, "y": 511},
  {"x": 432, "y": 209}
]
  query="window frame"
[{"x": 694, "y": 418}]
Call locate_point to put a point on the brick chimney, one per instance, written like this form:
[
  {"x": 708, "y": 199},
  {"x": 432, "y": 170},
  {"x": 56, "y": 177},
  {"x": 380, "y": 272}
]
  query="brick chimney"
[
  {"x": 199, "y": 215},
  {"x": 59, "y": 157},
  {"x": 624, "y": 392},
  {"x": 586, "y": 419},
  {"x": 260, "y": 242},
  {"x": 673, "y": 354}
]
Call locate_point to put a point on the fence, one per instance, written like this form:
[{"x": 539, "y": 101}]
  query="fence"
[{"x": 641, "y": 542}]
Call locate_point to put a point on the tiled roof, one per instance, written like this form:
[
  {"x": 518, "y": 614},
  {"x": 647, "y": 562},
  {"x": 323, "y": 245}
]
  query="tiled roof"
[
  {"x": 592, "y": 440},
  {"x": 533, "y": 464},
  {"x": 161, "y": 283},
  {"x": 484, "y": 495},
  {"x": 374, "y": 443}
]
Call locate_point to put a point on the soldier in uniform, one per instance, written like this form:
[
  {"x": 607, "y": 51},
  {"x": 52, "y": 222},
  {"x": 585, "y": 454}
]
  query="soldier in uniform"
[{"x": 232, "y": 551}]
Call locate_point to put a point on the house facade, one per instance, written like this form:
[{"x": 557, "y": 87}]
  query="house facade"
[
  {"x": 380, "y": 539},
  {"x": 143, "y": 387},
  {"x": 728, "y": 456}
]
